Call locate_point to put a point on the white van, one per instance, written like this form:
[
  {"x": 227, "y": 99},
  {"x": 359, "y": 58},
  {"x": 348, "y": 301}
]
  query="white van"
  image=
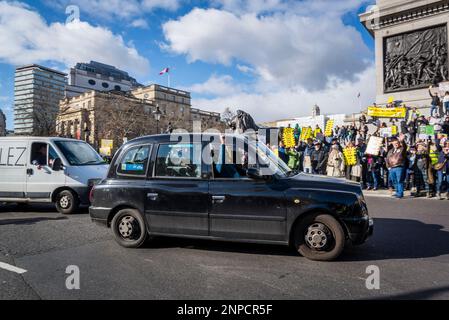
[{"x": 58, "y": 170}]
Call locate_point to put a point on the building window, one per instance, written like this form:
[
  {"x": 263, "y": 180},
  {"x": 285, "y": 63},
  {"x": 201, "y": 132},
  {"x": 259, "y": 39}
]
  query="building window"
[
  {"x": 92, "y": 82},
  {"x": 105, "y": 85}
]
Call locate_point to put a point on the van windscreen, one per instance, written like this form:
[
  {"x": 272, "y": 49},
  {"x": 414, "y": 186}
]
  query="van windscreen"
[{"x": 79, "y": 153}]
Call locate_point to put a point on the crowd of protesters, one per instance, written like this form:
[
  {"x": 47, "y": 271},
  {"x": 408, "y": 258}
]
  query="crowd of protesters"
[{"x": 407, "y": 159}]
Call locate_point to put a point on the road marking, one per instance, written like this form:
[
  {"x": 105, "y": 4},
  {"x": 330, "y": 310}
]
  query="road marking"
[{"x": 11, "y": 268}]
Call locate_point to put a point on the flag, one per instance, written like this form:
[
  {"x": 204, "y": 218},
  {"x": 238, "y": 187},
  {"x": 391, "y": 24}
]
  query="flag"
[{"x": 166, "y": 70}]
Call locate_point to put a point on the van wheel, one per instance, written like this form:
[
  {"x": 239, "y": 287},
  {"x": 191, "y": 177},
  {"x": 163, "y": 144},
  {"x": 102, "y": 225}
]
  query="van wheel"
[
  {"x": 67, "y": 202},
  {"x": 129, "y": 228},
  {"x": 319, "y": 237}
]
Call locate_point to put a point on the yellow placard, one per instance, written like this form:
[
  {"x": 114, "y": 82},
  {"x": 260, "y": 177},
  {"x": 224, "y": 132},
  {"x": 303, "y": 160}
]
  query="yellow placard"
[
  {"x": 350, "y": 155},
  {"x": 289, "y": 138},
  {"x": 106, "y": 143},
  {"x": 106, "y": 151},
  {"x": 387, "y": 112},
  {"x": 329, "y": 127},
  {"x": 390, "y": 100},
  {"x": 306, "y": 133},
  {"x": 394, "y": 130}
]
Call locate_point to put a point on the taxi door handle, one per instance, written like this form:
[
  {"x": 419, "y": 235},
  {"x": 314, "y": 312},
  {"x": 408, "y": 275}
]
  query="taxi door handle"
[
  {"x": 218, "y": 199},
  {"x": 152, "y": 196}
]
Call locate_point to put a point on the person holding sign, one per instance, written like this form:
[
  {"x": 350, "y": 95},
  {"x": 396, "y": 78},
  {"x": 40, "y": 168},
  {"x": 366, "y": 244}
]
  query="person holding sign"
[{"x": 395, "y": 162}]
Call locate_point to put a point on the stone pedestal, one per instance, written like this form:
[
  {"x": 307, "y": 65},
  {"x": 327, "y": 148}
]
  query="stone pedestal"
[{"x": 396, "y": 18}]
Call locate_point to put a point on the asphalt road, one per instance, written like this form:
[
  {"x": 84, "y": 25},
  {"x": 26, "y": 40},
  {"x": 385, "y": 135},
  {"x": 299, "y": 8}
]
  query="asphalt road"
[{"x": 410, "y": 247}]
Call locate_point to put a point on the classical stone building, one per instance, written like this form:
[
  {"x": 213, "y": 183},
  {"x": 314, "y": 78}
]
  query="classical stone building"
[
  {"x": 2, "y": 124},
  {"x": 411, "y": 48},
  {"x": 95, "y": 115}
]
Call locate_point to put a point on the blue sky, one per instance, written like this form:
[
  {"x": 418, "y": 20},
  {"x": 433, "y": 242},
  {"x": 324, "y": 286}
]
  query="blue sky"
[{"x": 272, "y": 58}]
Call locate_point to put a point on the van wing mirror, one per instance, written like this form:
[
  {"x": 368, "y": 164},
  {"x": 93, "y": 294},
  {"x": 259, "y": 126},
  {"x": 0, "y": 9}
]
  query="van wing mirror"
[{"x": 57, "y": 164}]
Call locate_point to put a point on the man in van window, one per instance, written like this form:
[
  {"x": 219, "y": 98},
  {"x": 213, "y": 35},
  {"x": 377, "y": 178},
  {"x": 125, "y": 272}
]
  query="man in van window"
[{"x": 40, "y": 156}]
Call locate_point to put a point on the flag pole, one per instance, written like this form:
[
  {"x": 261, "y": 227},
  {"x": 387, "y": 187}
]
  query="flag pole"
[{"x": 168, "y": 78}]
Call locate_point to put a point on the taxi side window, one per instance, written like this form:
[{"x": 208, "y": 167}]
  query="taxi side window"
[
  {"x": 135, "y": 161},
  {"x": 39, "y": 153},
  {"x": 229, "y": 161},
  {"x": 178, "y": 160}
]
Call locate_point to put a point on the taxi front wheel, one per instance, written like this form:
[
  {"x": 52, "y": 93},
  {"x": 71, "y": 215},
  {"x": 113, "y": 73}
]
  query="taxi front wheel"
[{"x": 319, "y": 237}]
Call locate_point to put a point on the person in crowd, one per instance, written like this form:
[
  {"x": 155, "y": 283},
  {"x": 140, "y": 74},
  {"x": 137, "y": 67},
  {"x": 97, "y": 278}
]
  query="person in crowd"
[
  {"x": 335, "y": 162},
  {"x": 374, "y": 164},
  {"x": 318, "y": 159},
  {"x": 395, "y": 161},
  {"x": 420, "y": 168},
  {"x": 297, "y": 133},
  {"x": 414, "y": 114},
  {"x": 446, "y": 103},
  {"x": 421, "y": 121},
  {"x": 349, "y": 167},
  {"x": 410, "y": 171},
  {"x": 412, "y": 131},
  {"x": 307, "y": 152},
  {"x": 364, "y": 131},
  {"x": 442, "y": 169},
  {"x": 317, "y": 131},
  {"x": 361, "y": 161},
  {"x": 435, "y": 103},
  {"x": 293, "y": 159},
  {"x": 445, "y": 126},
  {"x": 282, "y": 153}
]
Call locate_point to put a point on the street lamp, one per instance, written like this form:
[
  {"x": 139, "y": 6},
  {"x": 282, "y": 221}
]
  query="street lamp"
[{"x": 157, "y": 115}]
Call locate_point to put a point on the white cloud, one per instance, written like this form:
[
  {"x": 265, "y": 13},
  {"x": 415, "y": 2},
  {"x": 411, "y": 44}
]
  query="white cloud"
[
  {"x": 216, "y": 85},
  {"x": 27, "y": 38},
  {"x": 113, "y": 9},
  {"x": 150, "y": 5},
  {"x": 139, "y": 23},
  {"x": 268, "y": 105},
  {"x": 284, "y": 48}
]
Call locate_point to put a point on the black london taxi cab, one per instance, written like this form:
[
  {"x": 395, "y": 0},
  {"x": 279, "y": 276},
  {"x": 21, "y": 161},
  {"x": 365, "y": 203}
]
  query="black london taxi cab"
[{"x": 225, "y": 188}]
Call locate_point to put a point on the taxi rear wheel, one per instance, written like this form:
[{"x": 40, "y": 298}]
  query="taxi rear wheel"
[
  {"x": 129, "y": 229},
  {"x": 319, "y": 237}
]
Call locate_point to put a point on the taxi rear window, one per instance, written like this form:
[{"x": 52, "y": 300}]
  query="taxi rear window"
[{"x": 135, "y": 161}]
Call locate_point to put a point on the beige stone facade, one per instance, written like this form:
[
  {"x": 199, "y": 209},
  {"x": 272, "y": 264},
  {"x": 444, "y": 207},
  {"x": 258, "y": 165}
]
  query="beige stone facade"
[
  {"x": 395, "y": 17},
  {"x": 2, "y": 124},
  {"x": 95, "y": 115}
]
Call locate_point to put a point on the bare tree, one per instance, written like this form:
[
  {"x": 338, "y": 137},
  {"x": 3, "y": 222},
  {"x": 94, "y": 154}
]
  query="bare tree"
[{"x": 118, "y": 119}]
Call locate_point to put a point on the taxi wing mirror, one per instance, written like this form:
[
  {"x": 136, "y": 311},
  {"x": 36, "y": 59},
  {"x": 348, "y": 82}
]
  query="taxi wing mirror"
[{"x": 254, "y": 173}]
